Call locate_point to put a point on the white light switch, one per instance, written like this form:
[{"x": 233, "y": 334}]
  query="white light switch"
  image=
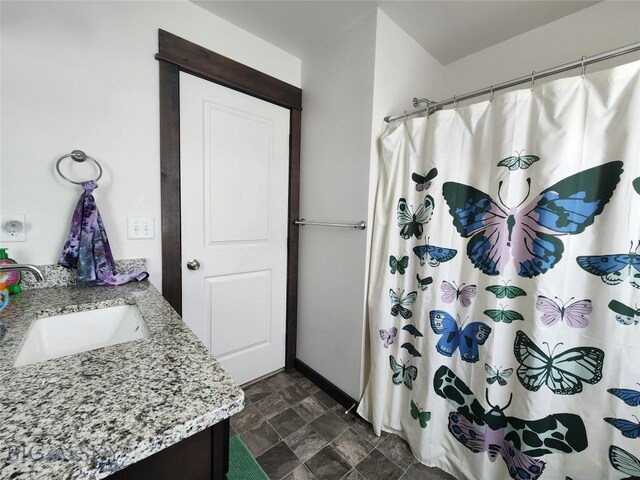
[
  {"x": 140, "y": 227},
  {"x": 13, "y": 228}
]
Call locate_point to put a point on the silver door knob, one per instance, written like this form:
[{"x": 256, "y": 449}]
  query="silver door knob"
[{"x": 193, "y": 264}]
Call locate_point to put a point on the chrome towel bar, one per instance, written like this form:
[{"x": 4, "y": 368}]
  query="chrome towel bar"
[{"x": 361, "y": 225}]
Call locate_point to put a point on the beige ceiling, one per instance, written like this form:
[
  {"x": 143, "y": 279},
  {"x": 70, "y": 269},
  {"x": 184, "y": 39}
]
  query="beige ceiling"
[{"x": 448, "y": 30}]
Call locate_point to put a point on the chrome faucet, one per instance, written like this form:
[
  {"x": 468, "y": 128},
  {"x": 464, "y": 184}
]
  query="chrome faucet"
[{"x": 13, "y": 267}]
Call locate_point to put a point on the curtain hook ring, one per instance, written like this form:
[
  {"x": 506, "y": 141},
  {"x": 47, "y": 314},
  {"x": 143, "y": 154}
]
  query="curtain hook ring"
[
  {"x": 491, "y": 94},
  {"x": 584, "y": 67},
  {"x": 455, "y": 102},
  {"x": 533, "y": 79}
]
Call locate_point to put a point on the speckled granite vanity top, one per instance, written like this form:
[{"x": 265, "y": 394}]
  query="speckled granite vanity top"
[{"x": 87, "y": 415}]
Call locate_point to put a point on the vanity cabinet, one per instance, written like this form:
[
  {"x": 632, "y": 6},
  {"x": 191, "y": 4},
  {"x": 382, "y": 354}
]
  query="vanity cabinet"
[
  {"x": 126, "y": 401},
  {"x": 204, "y": 455}
]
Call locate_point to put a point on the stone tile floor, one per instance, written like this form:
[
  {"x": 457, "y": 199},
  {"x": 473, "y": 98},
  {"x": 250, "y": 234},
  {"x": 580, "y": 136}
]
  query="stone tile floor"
[{"x": 298, "y": 432}]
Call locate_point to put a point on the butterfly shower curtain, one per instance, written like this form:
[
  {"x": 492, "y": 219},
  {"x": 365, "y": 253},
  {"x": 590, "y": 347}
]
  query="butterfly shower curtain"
[{"x": 504, "y": 289}]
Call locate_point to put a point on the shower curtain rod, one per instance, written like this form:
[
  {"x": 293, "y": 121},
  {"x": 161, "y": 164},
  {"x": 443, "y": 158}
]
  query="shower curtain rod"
[{"x": 583, "y": 62}]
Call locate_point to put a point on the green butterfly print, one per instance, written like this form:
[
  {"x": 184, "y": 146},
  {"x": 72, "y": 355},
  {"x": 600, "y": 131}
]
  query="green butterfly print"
[
  {"x": 402, "y": 373},
  {"x": 517, "y": 440},
  {"x": 625, "y": 314},
  {"x": 417, "y": 414},
  {"x": 413, "y": 330},
  {"x": 508, "y": 291},
  {"x": 411, "y": 349},
  {"x": 424, "y": 182},
  {"x": 398, "y": 265},
  {"x": 410, "y": 222},
  {"x": 503, "y": 315},
  {"x": 518, "y": 161},
  {"x": 423, "y": 283},
  {"x": 563, "y": 373},
  {"x": 400, "y": 302},
  {"x": 497, "y": 375},
  {"x": 636, "y": 185}
]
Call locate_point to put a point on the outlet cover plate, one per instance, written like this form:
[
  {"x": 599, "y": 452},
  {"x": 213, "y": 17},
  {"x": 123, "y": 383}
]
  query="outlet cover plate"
[{"x": 13, "y": 228}]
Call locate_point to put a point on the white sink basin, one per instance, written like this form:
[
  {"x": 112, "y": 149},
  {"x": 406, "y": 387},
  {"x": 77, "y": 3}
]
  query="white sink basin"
[{"x": 71, "y": 333}]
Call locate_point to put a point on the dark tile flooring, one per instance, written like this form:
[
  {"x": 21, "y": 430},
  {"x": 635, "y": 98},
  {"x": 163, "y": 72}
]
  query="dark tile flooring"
[{"x": 298, "y": 432}]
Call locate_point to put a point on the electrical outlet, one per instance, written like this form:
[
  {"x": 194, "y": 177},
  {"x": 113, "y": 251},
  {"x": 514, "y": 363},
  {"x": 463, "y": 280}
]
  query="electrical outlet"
[
  {"x": 13, "y": 228},
  {"x": 140, "y": 228}
]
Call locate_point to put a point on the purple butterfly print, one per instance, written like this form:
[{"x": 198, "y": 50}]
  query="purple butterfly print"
[
  {"x": 467, "y": 433},
  {"x": 424, "y": 182},
  {"x": 451, "y": 292},
  {"x": 574, "y": 314},
  {"x": 387, "y": 336},
  {"x": 479, "y": 438},
  {"x": 527, "y": 234},
  {"x": 517, "y": 440}
]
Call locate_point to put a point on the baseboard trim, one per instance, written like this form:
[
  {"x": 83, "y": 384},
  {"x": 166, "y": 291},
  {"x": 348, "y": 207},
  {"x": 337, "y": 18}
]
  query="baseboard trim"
[{"x": 334, "y": 392}]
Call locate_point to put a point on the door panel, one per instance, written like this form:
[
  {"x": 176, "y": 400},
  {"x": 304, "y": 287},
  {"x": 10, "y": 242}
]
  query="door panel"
[
  {"x": 225, "y": 294},
  {"x": 237, "y": 170},
  {"x": 234, "y": 192}
]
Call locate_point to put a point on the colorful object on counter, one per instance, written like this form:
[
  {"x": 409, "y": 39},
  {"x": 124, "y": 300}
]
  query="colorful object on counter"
[
  {"x": 13, "y": 278},
  {"x": 87, "y": 249},
  {"x": 4, "y": 296}
]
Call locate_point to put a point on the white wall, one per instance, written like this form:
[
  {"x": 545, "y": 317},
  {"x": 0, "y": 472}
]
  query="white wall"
[
  {"x": 81, "y": 75},
  {"x": 602, "y": 27},
  {"x": 402, "y": 66},
  {"x": 337, "y": 83}
]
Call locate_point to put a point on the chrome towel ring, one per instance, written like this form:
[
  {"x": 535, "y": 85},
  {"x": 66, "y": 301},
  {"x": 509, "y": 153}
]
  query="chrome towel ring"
[{"x": 78, "y": 156}]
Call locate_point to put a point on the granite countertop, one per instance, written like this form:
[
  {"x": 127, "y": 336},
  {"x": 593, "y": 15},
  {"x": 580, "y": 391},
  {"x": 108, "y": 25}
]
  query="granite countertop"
[{"x": 87, "y": 415}]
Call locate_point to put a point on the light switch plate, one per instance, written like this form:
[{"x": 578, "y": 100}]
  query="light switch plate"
[
  {"x": 13, "y": 228},
  {"x": 140, "y": 228}
]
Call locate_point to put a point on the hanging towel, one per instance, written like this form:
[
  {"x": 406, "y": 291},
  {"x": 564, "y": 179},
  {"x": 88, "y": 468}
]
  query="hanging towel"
[{"x": 87, "y": 249}]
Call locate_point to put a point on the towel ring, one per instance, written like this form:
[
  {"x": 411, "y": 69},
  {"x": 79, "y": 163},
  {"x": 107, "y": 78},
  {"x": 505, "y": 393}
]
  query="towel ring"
[{"x": 78, "y": 156}]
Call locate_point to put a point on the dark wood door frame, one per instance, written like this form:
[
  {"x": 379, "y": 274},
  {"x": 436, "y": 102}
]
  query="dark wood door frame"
[{"x": 176, "y": 54}]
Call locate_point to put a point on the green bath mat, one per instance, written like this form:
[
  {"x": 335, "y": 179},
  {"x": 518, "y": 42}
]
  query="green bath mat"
[{"x": 242, "y": 466}]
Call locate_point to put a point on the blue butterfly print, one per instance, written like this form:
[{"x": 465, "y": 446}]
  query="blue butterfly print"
[
  {"x": 628, "y": 396},
  {"x": 615, "y": 268},
  {"x": 628, "y": 428},
  {"x": 528, "y": 235},
  {"x": 433, "y": 255},
  {"x": 465, "y": 339}
]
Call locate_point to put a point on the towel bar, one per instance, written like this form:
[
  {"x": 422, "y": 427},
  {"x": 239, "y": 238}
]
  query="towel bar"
[{"x": 361, "y": 225}]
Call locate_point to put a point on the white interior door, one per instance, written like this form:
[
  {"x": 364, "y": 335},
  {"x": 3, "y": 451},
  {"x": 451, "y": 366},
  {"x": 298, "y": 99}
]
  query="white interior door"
[{"x": 234, "y": 171}]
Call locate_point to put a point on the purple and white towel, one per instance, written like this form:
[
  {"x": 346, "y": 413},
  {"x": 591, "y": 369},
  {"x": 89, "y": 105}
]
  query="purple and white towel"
[{"x": 87, "y": 249}]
